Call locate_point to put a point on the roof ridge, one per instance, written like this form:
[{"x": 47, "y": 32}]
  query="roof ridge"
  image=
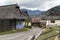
[{"x": 8, "y": 5}]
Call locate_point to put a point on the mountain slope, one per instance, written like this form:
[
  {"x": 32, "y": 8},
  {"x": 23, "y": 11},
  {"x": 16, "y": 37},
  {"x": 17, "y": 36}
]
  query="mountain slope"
[
  {"x": 55, "y": 11},
  {"x": 32, "y": 12}
]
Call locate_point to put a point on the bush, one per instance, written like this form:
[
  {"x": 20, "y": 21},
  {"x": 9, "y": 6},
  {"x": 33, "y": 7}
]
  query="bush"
[{"x": 50, "y": 27}]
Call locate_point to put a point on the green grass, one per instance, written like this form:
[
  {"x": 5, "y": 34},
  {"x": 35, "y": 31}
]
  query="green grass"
[
  {"x": 55, "y": 28},
  {"x": 14, "y": 31},
  {"x": 46, "y": 30},
  {"x": 53, "y": 38},
  {"x": 48, "y": 33}
]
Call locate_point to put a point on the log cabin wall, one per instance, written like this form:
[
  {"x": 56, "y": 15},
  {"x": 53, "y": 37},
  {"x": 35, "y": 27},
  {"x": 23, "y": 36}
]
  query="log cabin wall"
[
  {"x": 7, "y": 24},
  {"x": 13, "y": 24}
]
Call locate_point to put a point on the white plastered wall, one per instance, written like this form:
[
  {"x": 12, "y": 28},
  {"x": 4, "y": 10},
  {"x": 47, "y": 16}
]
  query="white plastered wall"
[{"x": 57, "y": 23}]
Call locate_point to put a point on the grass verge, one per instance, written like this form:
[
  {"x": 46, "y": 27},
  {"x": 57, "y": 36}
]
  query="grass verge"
[
  {"x": 14, "y": 31},
  {"x": 58, "y": 38},
  {"x": 48, "y": 34}
]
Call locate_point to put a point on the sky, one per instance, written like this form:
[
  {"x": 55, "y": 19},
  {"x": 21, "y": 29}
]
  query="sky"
[{"x": 42, "y": 5}]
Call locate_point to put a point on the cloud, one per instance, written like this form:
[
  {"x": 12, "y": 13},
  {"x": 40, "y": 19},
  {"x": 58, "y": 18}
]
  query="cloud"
[
  {"x": 30, "y": 4},
  {"x": 39, "y": 4},
  {"x": 6, "y": 2},
  {"x": 33, "y": 4},
  {"x": 48, "y": 5}
]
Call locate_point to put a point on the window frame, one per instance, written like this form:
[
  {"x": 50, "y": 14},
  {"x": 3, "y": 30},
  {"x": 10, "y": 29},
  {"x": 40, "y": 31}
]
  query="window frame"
[{"x": 52, "y": 21}]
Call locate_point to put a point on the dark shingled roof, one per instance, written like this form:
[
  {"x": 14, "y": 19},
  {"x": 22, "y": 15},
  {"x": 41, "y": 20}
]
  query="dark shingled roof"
[
  {"x": 52, "y": 18},
  {"x": 9, "y": 12},
  {"x": 24, "y": 15}
]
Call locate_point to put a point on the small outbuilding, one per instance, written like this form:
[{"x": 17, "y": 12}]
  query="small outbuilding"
[{"x": 25, "y": 20}]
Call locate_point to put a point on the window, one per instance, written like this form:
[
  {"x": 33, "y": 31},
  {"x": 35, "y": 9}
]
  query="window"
[{"x": 52, "y": 21}]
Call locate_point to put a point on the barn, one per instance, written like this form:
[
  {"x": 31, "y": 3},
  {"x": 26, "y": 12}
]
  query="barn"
[
  {"x": 9, "y": 15},
  {"x": 25, "y": 20}
]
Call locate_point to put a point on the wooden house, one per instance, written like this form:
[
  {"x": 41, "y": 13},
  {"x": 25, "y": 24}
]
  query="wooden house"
[
  {"x": 27, "y": 19},
  {"x": 35, "y": 21},
  {"x": 9, "y": 15}
]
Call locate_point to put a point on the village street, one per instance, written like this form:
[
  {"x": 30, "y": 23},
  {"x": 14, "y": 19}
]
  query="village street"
[{"x": 21, "y": 35}]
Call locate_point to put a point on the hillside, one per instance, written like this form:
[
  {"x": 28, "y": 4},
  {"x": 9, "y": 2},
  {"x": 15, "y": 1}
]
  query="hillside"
[
  {"x": 55, "y": 11},
  {"x": 32, "y": 12}
]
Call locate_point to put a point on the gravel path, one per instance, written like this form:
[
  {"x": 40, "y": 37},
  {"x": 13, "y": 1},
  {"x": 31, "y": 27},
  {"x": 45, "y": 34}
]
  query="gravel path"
[
  {"x": 56, "y": 38},
  {"x": 21, "y": 35}
]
